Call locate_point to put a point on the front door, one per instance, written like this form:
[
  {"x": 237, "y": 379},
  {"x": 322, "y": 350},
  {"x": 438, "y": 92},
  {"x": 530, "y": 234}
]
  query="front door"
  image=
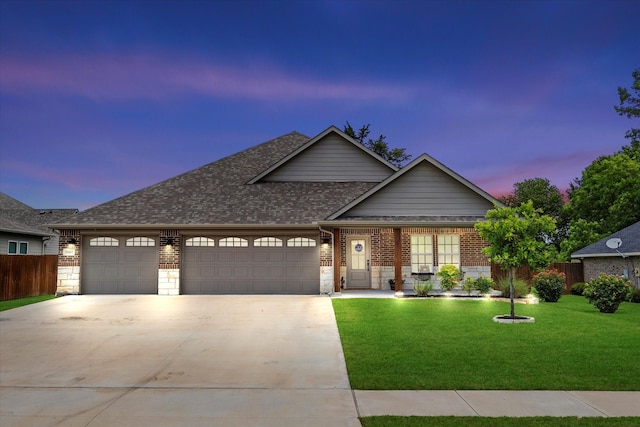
[{"x": 358, "y": 262}]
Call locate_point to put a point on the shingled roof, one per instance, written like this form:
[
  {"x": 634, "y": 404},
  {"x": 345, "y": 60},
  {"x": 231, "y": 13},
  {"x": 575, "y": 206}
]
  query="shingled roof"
[
  {"x": 629, "y": 236},
  {"x": 219, "y": 194},
  {"x": 17, "y": 217}
]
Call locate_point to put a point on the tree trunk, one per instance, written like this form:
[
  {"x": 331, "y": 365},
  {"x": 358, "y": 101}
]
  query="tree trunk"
[{"x": 511, "y": 292}]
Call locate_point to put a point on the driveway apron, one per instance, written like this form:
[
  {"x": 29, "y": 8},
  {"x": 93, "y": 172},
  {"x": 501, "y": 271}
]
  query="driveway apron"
[{"x": 164, "y": 361}]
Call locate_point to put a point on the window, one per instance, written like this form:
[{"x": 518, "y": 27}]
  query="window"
[
  {"x": 199, "y": 241},
  {"x": 271, "y": 242},
  {"x": 141, "y": 241},
  {"x": 18, "y": 248},
  {"x": 300, "y": 242},
  {"x": 233, "y": 242},
  {"x": 449, "y": 249},
  {"x": 421, "y": 253},
  {"x": 104, "y": 241}
]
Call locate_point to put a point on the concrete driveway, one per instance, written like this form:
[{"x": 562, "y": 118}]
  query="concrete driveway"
[{"x": 165, "y": 361}]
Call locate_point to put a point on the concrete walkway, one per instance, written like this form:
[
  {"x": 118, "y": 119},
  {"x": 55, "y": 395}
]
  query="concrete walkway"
[{"x": 218, "y": 361}]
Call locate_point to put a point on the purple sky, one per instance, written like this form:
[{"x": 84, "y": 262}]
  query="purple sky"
[{"x": 101, "y": 98}]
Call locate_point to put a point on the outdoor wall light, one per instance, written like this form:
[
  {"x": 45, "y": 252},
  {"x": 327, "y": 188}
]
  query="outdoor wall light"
[
  {"x": 169, "y": 241},
  {"x": 326, "y": 240},
  {"x": 72, "y": 241}
]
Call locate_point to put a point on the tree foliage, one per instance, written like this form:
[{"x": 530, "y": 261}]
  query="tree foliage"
[
  {"x": 514, "y": 236},
  {"x": 607, "y": 196},
  {"x": 395, "y": 156},
  {"x": 630, "y": 104}
]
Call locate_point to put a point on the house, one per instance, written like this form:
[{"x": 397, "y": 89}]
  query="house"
[
  {"x": 294, "y": 215},
  {"x": 23, "y": 229},
  {"x": 617, "y": 254}
]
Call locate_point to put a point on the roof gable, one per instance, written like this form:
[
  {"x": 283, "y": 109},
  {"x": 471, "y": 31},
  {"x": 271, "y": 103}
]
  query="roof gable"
[
  {"x": 332, "y": 156},
  {"x": 17, "y": 217},
  {"x": 424, "y": 188},
  {"x": 630, "y": 237}
]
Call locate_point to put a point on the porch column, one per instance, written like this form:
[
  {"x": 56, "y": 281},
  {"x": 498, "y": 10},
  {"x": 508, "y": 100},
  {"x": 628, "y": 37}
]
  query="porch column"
[
  {"x": 337, "y": 260},
  {"x": 397, "y": 258}
]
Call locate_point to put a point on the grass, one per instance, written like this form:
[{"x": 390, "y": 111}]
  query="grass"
[
  {"x": 498, "y": 421},
  {"x": 446, "y": 344},
  {"x": 14, "y": 303}
]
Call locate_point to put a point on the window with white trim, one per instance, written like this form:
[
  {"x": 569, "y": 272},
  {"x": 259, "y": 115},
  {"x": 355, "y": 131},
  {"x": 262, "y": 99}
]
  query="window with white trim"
[
  {"x": 421, "y": 253},
  {"x": 141, "y": 241},
  {"x": 301, "y": 242},
  {"x": 200, "y": 241},
  {"x": 233, "y": 242},
  {"x": 449, "y": 249},
  {"x": 18, "y": 248},
  {"x": 271, "y": 242},
  {"x": 104, "y": 241}
]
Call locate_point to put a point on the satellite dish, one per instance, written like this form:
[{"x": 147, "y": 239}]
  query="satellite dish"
[{"x": 614, "y": 243}]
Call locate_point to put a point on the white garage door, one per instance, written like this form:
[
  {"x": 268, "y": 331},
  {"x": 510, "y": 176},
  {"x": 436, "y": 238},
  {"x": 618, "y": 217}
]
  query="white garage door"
[
  {"x": 250, "y": 265},
  {"x": 119, "y": 265}
]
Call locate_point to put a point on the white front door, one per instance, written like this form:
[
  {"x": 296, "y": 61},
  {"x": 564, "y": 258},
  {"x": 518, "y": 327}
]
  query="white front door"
[{"x": 358, "y": 262}]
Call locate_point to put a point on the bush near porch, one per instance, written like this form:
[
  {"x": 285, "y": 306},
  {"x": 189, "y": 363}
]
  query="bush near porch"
[{"x": 446, "y": 344}]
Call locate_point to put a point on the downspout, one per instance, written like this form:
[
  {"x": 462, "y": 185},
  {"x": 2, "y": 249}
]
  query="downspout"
[{"x": 333, "y": 267}]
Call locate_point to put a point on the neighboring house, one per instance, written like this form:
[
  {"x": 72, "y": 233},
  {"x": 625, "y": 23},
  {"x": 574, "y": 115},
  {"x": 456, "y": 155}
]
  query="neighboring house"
[
  {"x": 23, "y": 229},
  {"x": 292, "y": 215},
  {"x": 617, "y": 254}
]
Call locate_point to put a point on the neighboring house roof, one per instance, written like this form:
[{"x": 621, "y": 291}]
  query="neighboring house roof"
[
  {"x": 17, "y": 217},
  {"x": 293, "y": 181},
  {"x": 629, "y": 236}
]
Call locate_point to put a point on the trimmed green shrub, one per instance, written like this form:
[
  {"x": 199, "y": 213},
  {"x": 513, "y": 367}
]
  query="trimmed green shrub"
[
  {"x": 635, "y": 296},
  {"x": 578, "y": 288},
  {"x": 606, "y": 292},
  {"x": 484, "y": 284},
  {"x": 520, "y": 287},
  {"x": 549, "y": 285},
  {"x": 449, "y": 276},
  {"x": 468, "y": 285}
]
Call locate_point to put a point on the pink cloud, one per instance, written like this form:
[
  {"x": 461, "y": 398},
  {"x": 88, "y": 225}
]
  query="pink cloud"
[{"x": 113, "y": 77}]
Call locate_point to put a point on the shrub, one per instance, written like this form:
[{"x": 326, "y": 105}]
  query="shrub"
[
  {"x": 484, "y": 284},
  {"x": 578, "y": 288},
  {"x": 635, "y": 296},
  {"x": 469, "y": 285},
  {"x": 520, "y": 287},
  {"x": 549, "y": 285},
  {"x": 449, "y": 276},
  {"x": 606, "y": 292},
  {"x": 422, "y": 287}
]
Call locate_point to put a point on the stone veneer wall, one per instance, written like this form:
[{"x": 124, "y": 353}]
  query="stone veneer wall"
[{"x": 68, "y": 281}]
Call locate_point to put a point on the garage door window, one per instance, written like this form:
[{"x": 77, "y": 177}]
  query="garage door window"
[
  {"x": 200, "y": 241},
  {"x": 104, "y": 241},
  {"x": 141, "y": 241},
  {"x": 271, "y": 242},
  {"x": 299, "y": 242},
  {"x": 233, "y": 242}
]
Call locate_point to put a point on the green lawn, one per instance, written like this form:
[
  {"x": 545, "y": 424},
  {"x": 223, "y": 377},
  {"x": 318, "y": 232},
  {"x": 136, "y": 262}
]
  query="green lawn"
[
  {"x": 8, "y": 305},
  {"x": 498, "y": 421},
  {"x": 447, "y": 344}
]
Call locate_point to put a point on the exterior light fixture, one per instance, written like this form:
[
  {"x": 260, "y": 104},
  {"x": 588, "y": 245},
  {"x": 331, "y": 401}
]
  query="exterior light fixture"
[
  {"x": 326, "y": 240},
  {"x": 170, "y": 241},
  {"x": 72, "y": 241}
]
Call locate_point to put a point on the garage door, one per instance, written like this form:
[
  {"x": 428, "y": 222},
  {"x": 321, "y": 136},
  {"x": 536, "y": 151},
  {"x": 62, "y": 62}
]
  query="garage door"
[
  {"x": 120, "y": 265},
  {"x": 250, "y": 265}
]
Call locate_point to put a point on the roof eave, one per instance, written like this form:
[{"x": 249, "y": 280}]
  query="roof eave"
[
  {"x": 608, "y": 255},
  {"x": 178, "y": 226},
  {"x": 396, "y": 223}
]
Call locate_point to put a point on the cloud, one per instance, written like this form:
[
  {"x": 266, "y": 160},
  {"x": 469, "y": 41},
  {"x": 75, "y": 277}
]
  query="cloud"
[{"x": 124, "y": 77}]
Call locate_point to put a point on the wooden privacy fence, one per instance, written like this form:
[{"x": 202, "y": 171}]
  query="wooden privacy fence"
[
  {"x": 27, "y": 275},
  {"x": 572, "y": 270}
]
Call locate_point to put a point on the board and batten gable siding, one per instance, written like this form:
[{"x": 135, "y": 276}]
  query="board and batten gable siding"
[
  {"x": 424, "y": 190},
  {"x": 331, "y": 159}
]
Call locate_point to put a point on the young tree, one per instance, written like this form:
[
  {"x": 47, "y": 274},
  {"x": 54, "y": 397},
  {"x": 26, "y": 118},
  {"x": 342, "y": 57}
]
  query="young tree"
[
  {"x": 630, "y": 104},
  {"x": 514, "y": 239},
  {"x": 396, "y": 156}
]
